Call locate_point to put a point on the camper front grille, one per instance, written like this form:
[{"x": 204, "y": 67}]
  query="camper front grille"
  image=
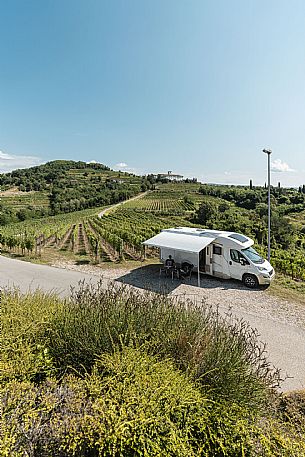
[{"x": 271, "y": 272}]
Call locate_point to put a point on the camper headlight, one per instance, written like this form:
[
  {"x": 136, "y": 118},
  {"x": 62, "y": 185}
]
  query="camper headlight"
[{"x": 263, "y": 269}]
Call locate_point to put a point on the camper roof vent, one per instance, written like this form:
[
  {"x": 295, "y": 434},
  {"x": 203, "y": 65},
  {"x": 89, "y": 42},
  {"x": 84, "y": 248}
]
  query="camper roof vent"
[
  {"x": 206, "y": 233},
  {"x": 239, "y": 237}
]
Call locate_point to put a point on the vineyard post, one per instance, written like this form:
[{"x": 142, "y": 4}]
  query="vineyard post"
[
  {"x": 121, "y": 250},
  {"x": 96, "y": 252},
  {"x": 43, "y": 240}
]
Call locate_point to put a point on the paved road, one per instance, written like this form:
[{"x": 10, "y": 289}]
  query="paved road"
[
  {"x": 285, "y": 340},
  {"x": 29, "y": 276}
]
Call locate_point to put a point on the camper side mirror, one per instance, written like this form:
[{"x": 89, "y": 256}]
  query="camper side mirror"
[{"x": 244, "y": 262}]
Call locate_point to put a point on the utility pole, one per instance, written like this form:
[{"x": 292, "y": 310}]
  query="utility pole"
[{"x": 268, "y": 152}]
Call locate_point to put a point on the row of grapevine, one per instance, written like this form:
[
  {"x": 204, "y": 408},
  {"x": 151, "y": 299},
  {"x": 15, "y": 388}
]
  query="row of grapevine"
[
  {"x": 160, "y": 205},
  {"x": 41, "y": 233},
  {"x": 126, "y": 229},
  {"x": 290, "y": 263}
]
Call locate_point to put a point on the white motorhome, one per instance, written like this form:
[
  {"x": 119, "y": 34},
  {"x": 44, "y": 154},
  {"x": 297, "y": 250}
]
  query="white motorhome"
[{"x": 215, "y": 253}]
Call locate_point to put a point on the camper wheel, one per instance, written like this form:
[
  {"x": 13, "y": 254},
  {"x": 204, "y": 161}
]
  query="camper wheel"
[{"x": 250, "y": 281}]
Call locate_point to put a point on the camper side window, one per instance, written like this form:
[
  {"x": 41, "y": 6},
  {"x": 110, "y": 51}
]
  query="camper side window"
[
  {"x": 217, "y": 250},
  {"x": 235, "y": 256}
]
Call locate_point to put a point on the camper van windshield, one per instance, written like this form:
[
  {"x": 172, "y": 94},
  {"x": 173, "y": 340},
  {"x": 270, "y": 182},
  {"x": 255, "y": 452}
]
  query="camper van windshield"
[{"x": 252, "y": 255}]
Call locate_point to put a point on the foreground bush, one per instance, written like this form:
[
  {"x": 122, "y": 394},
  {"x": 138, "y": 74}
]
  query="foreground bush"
[
  {"x": 117, "y": 373},
  {"x": 292, "y": 407},
  {"x": 224, "y": 355},
  {"x": 25, "y": 355},
  {"x": 132, "y": 405},
  {"x": 44, "y": 336}
]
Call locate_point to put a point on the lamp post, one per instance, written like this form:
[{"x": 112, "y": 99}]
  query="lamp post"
[{"x": 268, "y": 152}]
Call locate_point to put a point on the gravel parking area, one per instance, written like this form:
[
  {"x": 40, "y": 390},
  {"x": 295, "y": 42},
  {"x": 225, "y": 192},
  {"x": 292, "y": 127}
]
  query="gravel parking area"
[{"x": 213, "y": 291}]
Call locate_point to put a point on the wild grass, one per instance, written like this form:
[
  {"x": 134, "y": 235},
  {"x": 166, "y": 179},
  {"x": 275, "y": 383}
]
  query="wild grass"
[{"x": 288, "y": 289}]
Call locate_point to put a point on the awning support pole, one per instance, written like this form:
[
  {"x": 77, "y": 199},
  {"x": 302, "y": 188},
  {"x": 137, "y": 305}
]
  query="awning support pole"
[{"x": 198, "y": 272}]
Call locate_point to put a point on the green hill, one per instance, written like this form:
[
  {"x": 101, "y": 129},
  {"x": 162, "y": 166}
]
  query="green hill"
[{"x": 63, "y": 186}]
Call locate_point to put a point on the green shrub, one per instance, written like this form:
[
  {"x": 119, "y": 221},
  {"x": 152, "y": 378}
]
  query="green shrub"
[
  {"x": 151, "y": 377},
  {"x": 132, "y": 405},
  {"x": 24, "y": 317},
  {"x": 292, "y": 407},
  {"x": 45, "y": 336},
  {"x": 224, "y": 355}
]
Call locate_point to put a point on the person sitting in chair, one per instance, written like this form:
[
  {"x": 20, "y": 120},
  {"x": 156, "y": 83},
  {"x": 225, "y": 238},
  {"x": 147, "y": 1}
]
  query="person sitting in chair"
[
  {"x": 169, "y": 263},
  {"x": 168, "y": 267}
]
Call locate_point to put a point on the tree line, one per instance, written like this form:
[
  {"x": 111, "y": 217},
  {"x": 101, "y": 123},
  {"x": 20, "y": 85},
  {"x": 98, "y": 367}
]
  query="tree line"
[{"x": 240, "y": 209}]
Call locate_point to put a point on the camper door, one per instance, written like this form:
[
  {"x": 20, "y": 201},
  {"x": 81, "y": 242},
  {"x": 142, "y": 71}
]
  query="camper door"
[
  {"x": 217, "y": 259},
  {"x": 238, "y": 264}
]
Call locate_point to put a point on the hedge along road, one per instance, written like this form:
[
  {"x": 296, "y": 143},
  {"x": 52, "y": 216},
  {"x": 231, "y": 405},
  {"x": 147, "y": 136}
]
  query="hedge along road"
[{"x": 284, "y": 338}]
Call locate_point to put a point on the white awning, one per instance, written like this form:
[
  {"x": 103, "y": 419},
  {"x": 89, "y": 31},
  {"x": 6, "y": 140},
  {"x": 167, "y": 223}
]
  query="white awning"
[{"x": 179, "y": 241}]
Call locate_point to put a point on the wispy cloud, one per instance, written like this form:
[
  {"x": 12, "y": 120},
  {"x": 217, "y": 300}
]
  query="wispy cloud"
[
  {"x": 121, "y": 165},
  {"x": 9, "y": 162},
  {"x": 279, "y": 166}
]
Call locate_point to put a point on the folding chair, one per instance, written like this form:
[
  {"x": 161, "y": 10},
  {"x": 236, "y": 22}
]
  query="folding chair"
[{"x": 186, "y": 270}]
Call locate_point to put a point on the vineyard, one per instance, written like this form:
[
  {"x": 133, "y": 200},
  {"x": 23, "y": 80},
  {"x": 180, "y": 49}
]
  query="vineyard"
[
  {"x": 115, "y": 237},
  {"x": 33, "y": 236},
  {"x": 164, "y": 206},
  {"x": 169, "y": 200},
  {"x": 118, "y": 235},
  {"x": 289, "y": 263},
  {"x": 20, "y": 200}
]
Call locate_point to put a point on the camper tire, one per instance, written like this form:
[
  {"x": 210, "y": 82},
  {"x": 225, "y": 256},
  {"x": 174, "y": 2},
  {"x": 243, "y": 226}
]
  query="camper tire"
[{"x": 250, "y": 281}]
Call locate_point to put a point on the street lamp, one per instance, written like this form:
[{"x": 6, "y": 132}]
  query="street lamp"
[{"x": 268, "y": 152}]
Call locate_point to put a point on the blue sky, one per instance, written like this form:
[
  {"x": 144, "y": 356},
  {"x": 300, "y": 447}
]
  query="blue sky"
[{"x": 197, "y": 87}]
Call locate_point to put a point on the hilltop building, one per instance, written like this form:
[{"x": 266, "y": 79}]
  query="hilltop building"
[{"x": 169, "y": 175}]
